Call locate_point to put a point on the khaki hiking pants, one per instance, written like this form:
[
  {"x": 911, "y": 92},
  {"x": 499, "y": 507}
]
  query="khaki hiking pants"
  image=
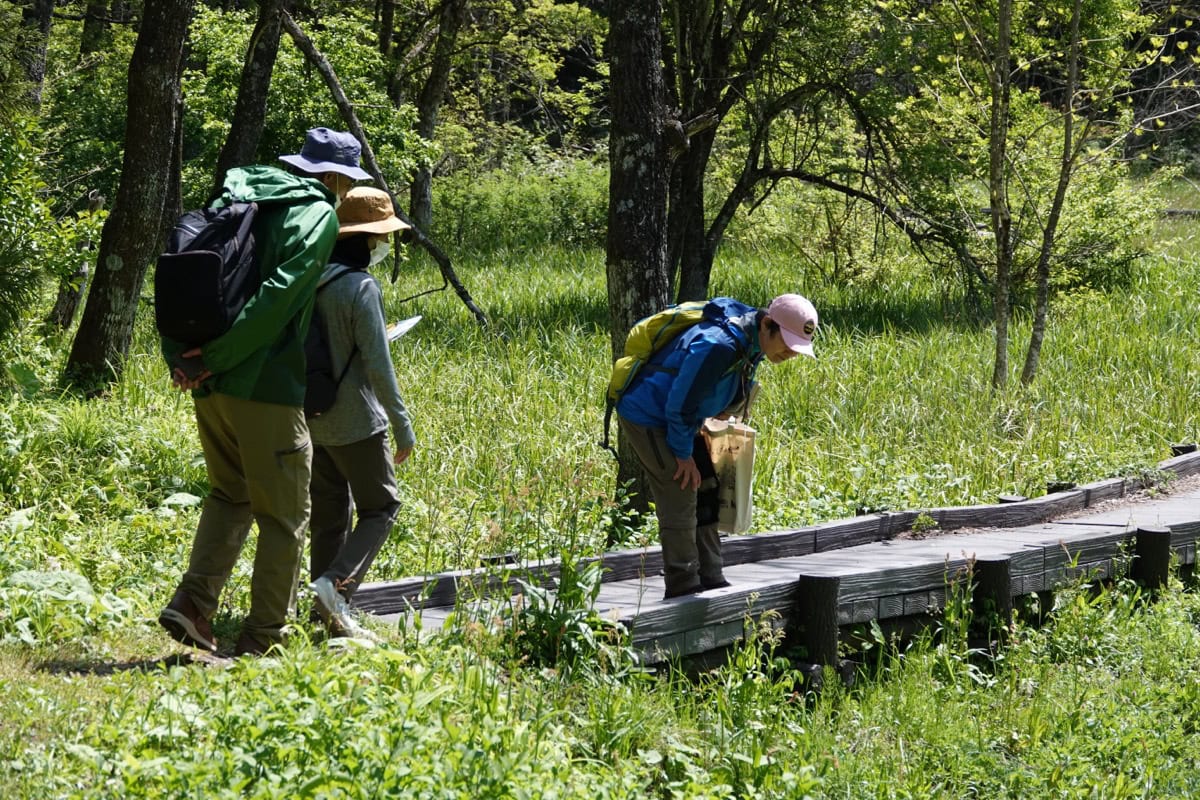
[
  {"x": 687, "y": 528},
  {"x": 259, "y": 459}
]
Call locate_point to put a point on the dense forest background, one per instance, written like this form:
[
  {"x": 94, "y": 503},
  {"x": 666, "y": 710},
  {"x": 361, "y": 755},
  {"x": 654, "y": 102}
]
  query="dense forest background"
[{"x": 991, "y": 139}]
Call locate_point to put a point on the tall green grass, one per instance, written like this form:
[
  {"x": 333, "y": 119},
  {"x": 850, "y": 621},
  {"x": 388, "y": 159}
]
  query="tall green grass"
[
  {"x": 97, "y": 513},
  {"x": 895, "y": 413}
]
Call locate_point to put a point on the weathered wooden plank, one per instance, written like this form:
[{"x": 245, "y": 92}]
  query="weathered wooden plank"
[
  {"x": 711, "y": 637},
  {"x": 923, "y": 602},
  {"x": 763, "y": 546},
  {"x": 1007, "y": 515},
  {"x": 902, "y": 580},
  {"x": 862, "y": 530},
  {"x": 1185, "y": 533},
  {"x": 862, "y": 610},
  {"x": 1029, "y": 584},
  {"x": 1100, "y": 491},
  {"x": 890, "y": 606},
  {"x": 1078, "y": 557},
  {"x": 666, "y": 647},
  {"x": 664, "y": 617},
  {"x": 833, "y": 564},
  {"x": 1183, "y": 465}
]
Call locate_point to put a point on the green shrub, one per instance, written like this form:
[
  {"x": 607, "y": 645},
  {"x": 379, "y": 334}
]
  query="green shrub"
[
  {"x": 34, "y": 244},
  {"x": 40, "y": 607},
  {"x": 299, "y": 98},
  {"x": 560, "y": 201}
]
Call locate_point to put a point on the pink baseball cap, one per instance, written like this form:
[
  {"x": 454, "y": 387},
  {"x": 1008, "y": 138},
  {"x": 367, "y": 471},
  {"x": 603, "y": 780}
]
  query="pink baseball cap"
[{"x": 797, "y": 320}]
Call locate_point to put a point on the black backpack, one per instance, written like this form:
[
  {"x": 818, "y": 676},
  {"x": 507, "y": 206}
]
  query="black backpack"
[
  {"x": 207, "y": 273},
  {"x": 321, "y": 385}
]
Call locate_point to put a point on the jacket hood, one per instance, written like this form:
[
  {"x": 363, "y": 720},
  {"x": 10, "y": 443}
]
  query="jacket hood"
[
  {"x": 266, "y": 184},
  {"x": 741, "y": 318}
]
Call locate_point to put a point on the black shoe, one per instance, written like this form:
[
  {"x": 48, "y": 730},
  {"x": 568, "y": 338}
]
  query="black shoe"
[
  {"x": 699, "y": 587},
  {"x": 717, "y": 584}
]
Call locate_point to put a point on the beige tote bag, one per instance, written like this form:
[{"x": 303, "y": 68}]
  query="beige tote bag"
[{"x": 732, "y": 447}]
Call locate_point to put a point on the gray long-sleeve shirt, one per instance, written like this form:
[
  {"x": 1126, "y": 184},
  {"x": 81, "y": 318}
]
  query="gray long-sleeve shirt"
[{"x": 368, "y": 397}]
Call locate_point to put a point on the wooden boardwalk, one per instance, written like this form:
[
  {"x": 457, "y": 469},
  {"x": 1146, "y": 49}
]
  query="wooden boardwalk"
[{"x": 821, "y": 578}]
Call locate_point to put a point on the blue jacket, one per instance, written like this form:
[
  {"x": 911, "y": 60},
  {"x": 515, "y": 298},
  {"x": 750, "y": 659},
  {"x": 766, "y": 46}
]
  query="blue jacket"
[{"x": 698, "y": 375}]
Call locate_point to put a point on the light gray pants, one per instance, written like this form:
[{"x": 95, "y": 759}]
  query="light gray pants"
[
  {"x": 345, "y": 478},
  {"x": 687, "y": 530}
]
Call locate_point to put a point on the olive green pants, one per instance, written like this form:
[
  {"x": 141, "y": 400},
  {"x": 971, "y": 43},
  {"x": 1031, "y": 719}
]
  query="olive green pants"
[
  {"x": 356, "y": 477},
  {"x": 259, "y": 459},
  {"x": 687, "y": 518}
]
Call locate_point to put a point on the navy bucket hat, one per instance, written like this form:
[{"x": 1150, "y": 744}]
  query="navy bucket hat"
[{"x": 329, "y": 151}]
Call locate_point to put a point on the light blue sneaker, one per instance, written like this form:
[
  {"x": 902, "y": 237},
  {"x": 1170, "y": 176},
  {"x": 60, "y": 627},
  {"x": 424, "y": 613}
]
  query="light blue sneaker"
[{"x": 335, "y": 611}]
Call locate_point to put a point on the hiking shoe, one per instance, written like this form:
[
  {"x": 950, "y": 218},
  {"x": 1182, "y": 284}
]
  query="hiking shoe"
[
  {"x": 669, "y": 593},
  {"x": 334, "y": 609},
  {"x": 719, "y": 583},
  {"x": 247, "y": 645},
  {"x": 186, "y": 624}
]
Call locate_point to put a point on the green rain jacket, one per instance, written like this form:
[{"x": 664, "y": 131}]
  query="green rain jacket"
[{"x": 261, "y": 356}]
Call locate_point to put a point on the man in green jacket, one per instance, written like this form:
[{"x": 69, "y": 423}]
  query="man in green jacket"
[{"x": 248, "y": 388}]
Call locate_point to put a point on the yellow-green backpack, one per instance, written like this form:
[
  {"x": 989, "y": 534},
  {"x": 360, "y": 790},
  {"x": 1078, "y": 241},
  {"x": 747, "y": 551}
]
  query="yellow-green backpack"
[{"x": 646, "y": 337}]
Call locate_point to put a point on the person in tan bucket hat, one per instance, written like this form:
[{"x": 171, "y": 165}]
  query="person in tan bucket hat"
[{"x": 353, "y": 465}]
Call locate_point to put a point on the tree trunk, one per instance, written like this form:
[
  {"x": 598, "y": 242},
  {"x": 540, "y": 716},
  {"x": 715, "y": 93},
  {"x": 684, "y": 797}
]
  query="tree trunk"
[
  {"x": 249, "y": 114},
  {"x": 173, "y": 200},
  {"x": 638, "y": 280},
  {"x": 1001, "y": 79},
  {"x": 687, "y": 222},
  {"x": 454, "y": 14},
  {"x": 1065, "y": 169},
  {"x": 387, "y": 22},
  {"x": 31, "y": 50},
  {"x": 95, "y": 27},
  {"x": 131, "y": 233},
  {"x": 719, "y": 50}
]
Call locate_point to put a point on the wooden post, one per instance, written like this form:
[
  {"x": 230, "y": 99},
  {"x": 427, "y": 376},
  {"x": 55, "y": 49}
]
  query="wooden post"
[
  {"x": 1152, "y": 557},
  {"x": 993, "y": 592},
  {"x": 817, "y": 602}
]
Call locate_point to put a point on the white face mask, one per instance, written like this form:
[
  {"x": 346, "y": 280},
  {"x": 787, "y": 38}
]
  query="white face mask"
[{"x": 380, "y": 251}]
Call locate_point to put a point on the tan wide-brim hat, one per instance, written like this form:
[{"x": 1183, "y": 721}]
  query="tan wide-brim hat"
[{"x": 365, "y": 209}]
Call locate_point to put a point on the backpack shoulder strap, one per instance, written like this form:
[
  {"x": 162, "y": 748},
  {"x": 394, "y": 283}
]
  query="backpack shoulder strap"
[{"x": 354, "y": 350}]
